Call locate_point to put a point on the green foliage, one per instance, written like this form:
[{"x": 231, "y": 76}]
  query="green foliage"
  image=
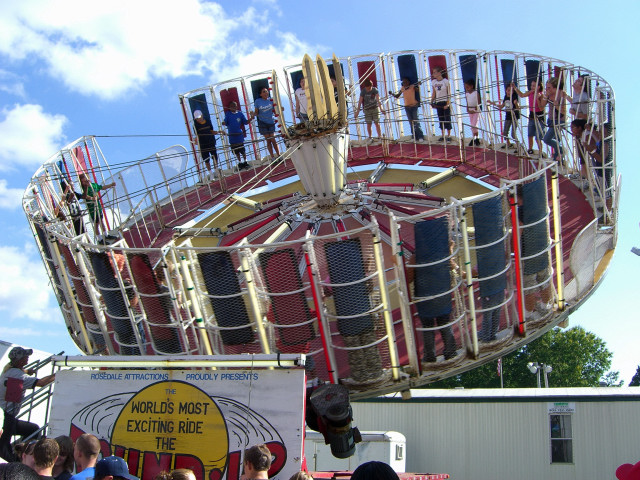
[
  {"x": 611, "y": 379},
  {"x": 579, "y": 359},
  {"x": 635, "y": 381}
]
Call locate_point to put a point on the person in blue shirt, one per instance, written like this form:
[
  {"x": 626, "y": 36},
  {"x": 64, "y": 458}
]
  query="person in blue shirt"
[
  {"x": 266, "y": 122},
  {"x": 235, "y": 122}
]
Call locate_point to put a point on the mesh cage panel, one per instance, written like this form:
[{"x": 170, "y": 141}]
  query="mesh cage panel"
[{"x": 353, "y": 306}]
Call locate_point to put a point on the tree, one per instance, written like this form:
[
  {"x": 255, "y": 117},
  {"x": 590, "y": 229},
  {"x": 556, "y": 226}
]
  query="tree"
[
  {"x": 579, "y": 359},
  {"x": 635, "y": 381}
]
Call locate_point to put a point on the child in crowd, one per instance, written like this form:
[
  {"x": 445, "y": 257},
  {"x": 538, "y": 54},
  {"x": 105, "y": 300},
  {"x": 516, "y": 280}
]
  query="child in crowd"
[
  {"x": 511, "y": 106},
  {"x": 301, "y": 102},
  {"x": 440, "y": 100},
  {"x": 473, "y": 109}
]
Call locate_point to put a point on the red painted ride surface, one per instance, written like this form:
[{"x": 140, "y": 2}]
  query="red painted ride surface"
[{"x": 488, "y": 165}]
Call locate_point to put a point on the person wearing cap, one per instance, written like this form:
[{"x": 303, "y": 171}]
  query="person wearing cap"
[
  {"x": 13, "y": 383},
  {"x": 113, "y": 468},
  {"x": 206, "y": 140}
]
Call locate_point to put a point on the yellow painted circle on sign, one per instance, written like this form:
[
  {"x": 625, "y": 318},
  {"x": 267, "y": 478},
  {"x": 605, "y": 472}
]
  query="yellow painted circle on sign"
[{"x": 176, "y": 418}]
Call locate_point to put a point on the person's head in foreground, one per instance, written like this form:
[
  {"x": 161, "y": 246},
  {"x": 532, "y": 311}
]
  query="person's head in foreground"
[
  {"x": 374, "y": 471},
  {"x": 113, "y": 468}
]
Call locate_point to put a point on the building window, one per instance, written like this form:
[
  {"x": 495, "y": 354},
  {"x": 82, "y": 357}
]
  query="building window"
[{"x": 561, "y": 439}]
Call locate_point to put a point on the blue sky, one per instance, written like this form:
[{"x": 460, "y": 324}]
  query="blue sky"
[{"x": 80, "y": 67}]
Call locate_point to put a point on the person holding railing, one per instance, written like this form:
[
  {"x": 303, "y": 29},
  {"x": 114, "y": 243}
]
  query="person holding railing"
[
  {"x": 474, "y": 107},
  {"x": 511, "y": 106},
  {"x": 441, "y": 100},
  {"x": 537, "y": 104},
  {"x": 91, "y": 196},
  {"x": 589, "y": 146},
  {"x": 70, "y": 198},
  {"x": 370, "y": 104},
  {"x": 579, "y": 106},
  {"x": 206, "y": 140},
  {"x": 557, "y": 116},
  {"x": 235, "y": 122},
  {"x": 13, "y": 383},
  {"x": 266, "y": 123},
  {"x": 411, "y": 95}
]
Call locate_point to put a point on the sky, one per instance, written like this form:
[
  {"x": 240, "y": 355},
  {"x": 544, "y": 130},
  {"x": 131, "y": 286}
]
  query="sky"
[{"x": 83, "y": 67}]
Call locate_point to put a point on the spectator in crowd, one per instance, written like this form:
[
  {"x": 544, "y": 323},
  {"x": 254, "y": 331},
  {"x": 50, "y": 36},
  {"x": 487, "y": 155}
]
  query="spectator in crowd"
[
  {"x": 266, "y": 123},
  {"x": 63, "y": 468},
  {"x": 177, "y": 474},
  {"x": 257, "y": 461},
  {"x": 45, "y": 454},
  {"x": 24, "y": 452},
  {"x": 537, "y": 104},
  {"x": 14, "y": 381},
  {"x": 206, "y": 140},
  {"x": 370, "y": 103},
  {"x": 441, "y": 100},
  {"x": 17, "y": 471},
  {"x": 85, "y": 453},
  {"x": 301, "y": 476},
  {"x": 374, "y": 471},
  {"x": 113, "y": 468},
  {"x": 235, "y": 122}
]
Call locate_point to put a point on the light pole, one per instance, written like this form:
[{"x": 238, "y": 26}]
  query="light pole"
[{"x": 536, "y": 368}]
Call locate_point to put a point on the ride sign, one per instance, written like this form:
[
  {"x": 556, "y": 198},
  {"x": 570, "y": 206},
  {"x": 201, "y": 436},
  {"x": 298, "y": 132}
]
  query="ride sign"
[{"x": 202, "y": 420}]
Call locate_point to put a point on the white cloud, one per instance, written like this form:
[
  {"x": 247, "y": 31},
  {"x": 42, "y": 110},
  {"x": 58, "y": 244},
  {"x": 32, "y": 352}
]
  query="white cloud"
[
  {"x": 25, "y": 292},
  {"x": 10, "y": 197},
  {"x": 28, "y": 135},
  {"x": 110, "y": 48},
  {"x": 11, "y": 83},
  {"x": 288, "y": 51}
]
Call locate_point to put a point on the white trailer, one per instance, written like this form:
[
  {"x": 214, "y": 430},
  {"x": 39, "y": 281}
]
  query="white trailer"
[{"x": 388, "y": 447}]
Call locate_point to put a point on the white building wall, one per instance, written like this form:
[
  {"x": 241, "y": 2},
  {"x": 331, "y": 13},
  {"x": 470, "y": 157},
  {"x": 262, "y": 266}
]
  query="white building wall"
[{"x": 474, "y": 436}]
